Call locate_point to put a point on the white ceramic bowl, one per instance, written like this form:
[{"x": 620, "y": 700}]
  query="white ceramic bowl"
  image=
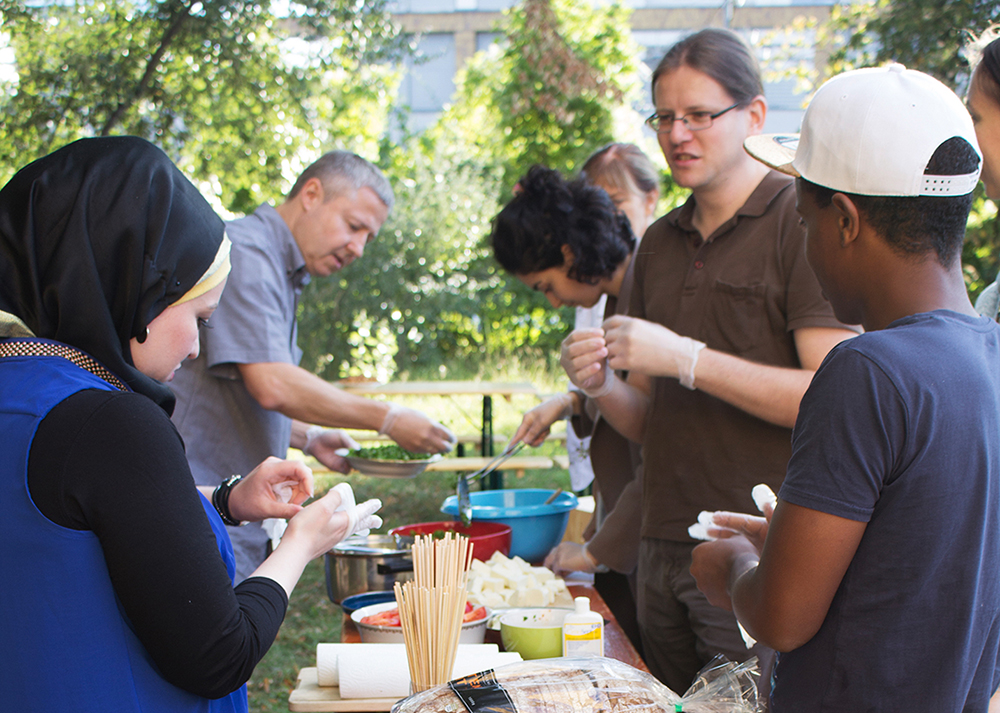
[{"x": 473, "y": 632}]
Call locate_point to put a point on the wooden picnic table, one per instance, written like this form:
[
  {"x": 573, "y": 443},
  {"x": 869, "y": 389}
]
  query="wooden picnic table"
[
  {"x": 309, "y": 697},
  {"x": 486, "y": 389}
]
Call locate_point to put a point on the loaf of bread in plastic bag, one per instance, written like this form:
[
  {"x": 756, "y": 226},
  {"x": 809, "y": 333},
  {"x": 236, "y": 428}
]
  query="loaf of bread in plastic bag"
[
  {"x": 587, "y": 685},
  {"x": 557, "y": 685}
]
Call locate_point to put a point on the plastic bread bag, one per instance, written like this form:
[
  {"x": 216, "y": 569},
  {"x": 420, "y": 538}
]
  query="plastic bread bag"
[
  {"x": 585, "y": 685},
  {"x": 724, "y": 686}
]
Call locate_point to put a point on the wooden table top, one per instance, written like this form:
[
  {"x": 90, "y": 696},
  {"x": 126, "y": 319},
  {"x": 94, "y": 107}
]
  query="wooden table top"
[
  {"x": 438, "y": 388},
  {"x": 309, "y": 697}
]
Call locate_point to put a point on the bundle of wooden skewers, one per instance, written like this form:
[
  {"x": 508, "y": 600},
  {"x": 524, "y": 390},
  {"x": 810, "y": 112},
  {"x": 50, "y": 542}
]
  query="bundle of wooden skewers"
[{"x": 432, "y": 605}]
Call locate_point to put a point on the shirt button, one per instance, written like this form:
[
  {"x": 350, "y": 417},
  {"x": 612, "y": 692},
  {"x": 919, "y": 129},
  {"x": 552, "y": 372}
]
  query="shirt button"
[{"x": 699, "y": 264}]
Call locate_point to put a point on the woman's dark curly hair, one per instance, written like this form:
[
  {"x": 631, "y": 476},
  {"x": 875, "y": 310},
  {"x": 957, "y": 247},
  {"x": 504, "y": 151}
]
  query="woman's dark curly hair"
[{"x": 548, "y": 212}]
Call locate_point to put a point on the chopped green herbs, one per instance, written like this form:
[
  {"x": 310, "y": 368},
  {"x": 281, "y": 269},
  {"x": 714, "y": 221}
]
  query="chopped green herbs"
[{"x": 390, "y": 452}]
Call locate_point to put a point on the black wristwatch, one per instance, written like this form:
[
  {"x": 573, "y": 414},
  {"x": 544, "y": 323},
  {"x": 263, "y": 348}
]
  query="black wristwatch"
[{"x": 220, "y": 500}]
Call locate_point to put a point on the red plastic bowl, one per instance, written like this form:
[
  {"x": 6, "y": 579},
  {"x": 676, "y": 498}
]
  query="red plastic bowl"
[{"x": 485, "y": 537}]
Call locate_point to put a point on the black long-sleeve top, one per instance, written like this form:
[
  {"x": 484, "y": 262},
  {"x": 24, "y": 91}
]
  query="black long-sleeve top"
[{"x": 113, "y": 463}]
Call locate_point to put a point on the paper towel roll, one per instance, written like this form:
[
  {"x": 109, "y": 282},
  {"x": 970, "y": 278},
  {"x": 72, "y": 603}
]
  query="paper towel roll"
[
  {"x": 328, "y": 664},
  {"x": 374, "y": 674},
  {"x": 380, "y": 674}
]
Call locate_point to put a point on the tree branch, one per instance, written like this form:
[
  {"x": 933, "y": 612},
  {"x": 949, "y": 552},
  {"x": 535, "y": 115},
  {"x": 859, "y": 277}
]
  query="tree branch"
[{"x": 151, "y": 66}]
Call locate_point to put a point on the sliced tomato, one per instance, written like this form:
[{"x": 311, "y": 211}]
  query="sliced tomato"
[
  {"x": 474, "y": 615},
  {"x": 389, "y": 617}
]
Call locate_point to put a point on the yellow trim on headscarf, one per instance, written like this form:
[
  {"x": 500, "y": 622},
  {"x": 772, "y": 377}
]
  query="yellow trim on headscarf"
[
  {"x": 216, "y": 273},
  {"x": 12, "y": 326}
]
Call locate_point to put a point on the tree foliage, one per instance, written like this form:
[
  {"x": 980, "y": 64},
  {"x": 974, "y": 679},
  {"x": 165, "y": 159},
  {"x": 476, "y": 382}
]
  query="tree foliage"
[
  {"x": 239, "y": 97},
  {"x": 549, "y": 93},
  {"x": 928, "y": 35},
  {"x": 429, "y": 294},
  {"x": 242, "y": 99}
]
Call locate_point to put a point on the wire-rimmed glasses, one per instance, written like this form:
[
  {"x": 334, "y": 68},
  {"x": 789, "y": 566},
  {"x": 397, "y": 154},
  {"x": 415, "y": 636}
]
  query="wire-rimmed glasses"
[{"x": 694, "y": 121}]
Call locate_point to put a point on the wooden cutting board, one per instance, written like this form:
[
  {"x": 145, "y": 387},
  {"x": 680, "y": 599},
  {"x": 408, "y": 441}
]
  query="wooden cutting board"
[{"x": 309, "y": 697}]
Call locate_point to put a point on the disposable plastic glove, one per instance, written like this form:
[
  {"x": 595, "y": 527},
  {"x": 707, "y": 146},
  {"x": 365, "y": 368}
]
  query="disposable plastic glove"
[
  {"x": 572, "y": 557},
  {"x": 361, "y": 518},
  {"x": 323, "y": 444},
  {"x": 416, "y": 432}
]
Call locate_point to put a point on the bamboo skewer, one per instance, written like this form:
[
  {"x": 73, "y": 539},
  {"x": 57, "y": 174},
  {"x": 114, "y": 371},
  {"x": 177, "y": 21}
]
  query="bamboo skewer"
[{"x": 432, "y": 606}]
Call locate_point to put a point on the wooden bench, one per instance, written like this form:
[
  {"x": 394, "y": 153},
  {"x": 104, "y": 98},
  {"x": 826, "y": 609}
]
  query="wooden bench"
[{"x": 469, "y": 464}]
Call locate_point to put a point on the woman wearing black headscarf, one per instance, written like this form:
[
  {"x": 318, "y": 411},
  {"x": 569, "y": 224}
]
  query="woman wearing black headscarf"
[{"x": 117, "y": 575}]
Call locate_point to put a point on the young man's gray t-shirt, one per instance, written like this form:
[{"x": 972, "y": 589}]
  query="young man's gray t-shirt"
[{"x": 225, "y": 430}]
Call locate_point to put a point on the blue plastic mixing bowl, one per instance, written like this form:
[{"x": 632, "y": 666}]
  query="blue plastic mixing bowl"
[{"x": 535, "y": 527}]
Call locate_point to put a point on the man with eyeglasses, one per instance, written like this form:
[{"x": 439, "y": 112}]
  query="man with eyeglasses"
[{"x": 727, "y": 325}]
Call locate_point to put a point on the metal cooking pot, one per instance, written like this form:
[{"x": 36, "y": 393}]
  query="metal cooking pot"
[{"x": 367, "y": 564}]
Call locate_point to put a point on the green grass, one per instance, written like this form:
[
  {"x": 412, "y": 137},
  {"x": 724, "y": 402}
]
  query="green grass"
[{"x": 312, "y": 618}]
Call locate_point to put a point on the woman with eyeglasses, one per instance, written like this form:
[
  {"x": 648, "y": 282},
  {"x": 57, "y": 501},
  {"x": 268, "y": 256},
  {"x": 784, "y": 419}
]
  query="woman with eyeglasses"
[{"x": 726, "y": 326}]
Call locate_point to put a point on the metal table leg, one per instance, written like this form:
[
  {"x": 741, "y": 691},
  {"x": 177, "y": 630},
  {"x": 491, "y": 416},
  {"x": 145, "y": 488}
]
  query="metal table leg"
[{"x": 495, "y": 479}]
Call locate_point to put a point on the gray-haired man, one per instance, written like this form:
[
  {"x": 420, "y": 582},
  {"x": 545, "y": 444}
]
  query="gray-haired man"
[{"x": 245, "y": 397}]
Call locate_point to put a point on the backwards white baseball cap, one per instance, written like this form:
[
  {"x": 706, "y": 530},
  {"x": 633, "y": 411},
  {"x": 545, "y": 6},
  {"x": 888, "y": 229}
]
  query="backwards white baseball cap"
[{"x": 871, "y": 132}]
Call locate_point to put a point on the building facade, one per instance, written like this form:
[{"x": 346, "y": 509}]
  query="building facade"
[{"x": 449, "y": 32}]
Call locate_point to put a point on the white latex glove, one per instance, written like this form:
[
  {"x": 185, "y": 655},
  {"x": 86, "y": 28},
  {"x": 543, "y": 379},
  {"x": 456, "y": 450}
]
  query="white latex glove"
[
  {"x": 361, "y": 518},
  {"x": 650, "y": 348},
  {"x": 571, "y": 557},
  {"x": 416, "y": 432},
  {"x": 323, "y": 444}
]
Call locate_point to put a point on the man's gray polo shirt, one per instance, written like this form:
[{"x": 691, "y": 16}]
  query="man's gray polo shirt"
[{"x": 225, "y": 430}]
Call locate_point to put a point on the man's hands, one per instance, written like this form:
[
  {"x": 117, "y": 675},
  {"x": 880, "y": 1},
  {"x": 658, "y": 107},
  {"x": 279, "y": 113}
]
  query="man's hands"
[
  {"x": 627, "y": 344},
  {"x": 323, "y": 444},
  {"x": 717, "y": 565},
  {"x": 416, "y": 432},
  {"x": 740, "y": 539},
  {"x": 276, "y": 488},
  {"x": 650, "y": 348},
  {"x": 538, "y": 421}
]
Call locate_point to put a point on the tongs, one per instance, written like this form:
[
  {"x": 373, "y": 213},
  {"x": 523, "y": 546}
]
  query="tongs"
[{"x": 462, "y": 490}]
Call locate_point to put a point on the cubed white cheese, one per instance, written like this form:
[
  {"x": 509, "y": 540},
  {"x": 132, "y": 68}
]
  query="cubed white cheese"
[
  {"x": 542, "y": 574},
  {"x": 493, "y": 584}
]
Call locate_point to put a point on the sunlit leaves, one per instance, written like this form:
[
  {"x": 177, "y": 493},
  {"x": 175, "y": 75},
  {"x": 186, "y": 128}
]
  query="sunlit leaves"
[{"x": 234, "y": 94}]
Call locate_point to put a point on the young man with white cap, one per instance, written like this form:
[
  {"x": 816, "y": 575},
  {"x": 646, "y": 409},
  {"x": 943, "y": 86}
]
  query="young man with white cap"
[{"x": 879, "y": 574}]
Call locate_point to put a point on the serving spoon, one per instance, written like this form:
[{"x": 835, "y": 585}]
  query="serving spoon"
[{"x": 462, "y": 489}]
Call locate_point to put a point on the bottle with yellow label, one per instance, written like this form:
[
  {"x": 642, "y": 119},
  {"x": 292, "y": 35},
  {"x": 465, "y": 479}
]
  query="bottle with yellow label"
[{"x": 583, "y": 631}]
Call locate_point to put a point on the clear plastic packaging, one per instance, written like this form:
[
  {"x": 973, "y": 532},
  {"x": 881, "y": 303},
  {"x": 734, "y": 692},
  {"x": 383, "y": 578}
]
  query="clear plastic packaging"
[{"x": 589, "y": 685}]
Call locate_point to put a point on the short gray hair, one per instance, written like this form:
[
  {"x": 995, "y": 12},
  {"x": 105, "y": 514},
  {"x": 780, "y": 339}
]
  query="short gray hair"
[{"x": 337, "y": 170}]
